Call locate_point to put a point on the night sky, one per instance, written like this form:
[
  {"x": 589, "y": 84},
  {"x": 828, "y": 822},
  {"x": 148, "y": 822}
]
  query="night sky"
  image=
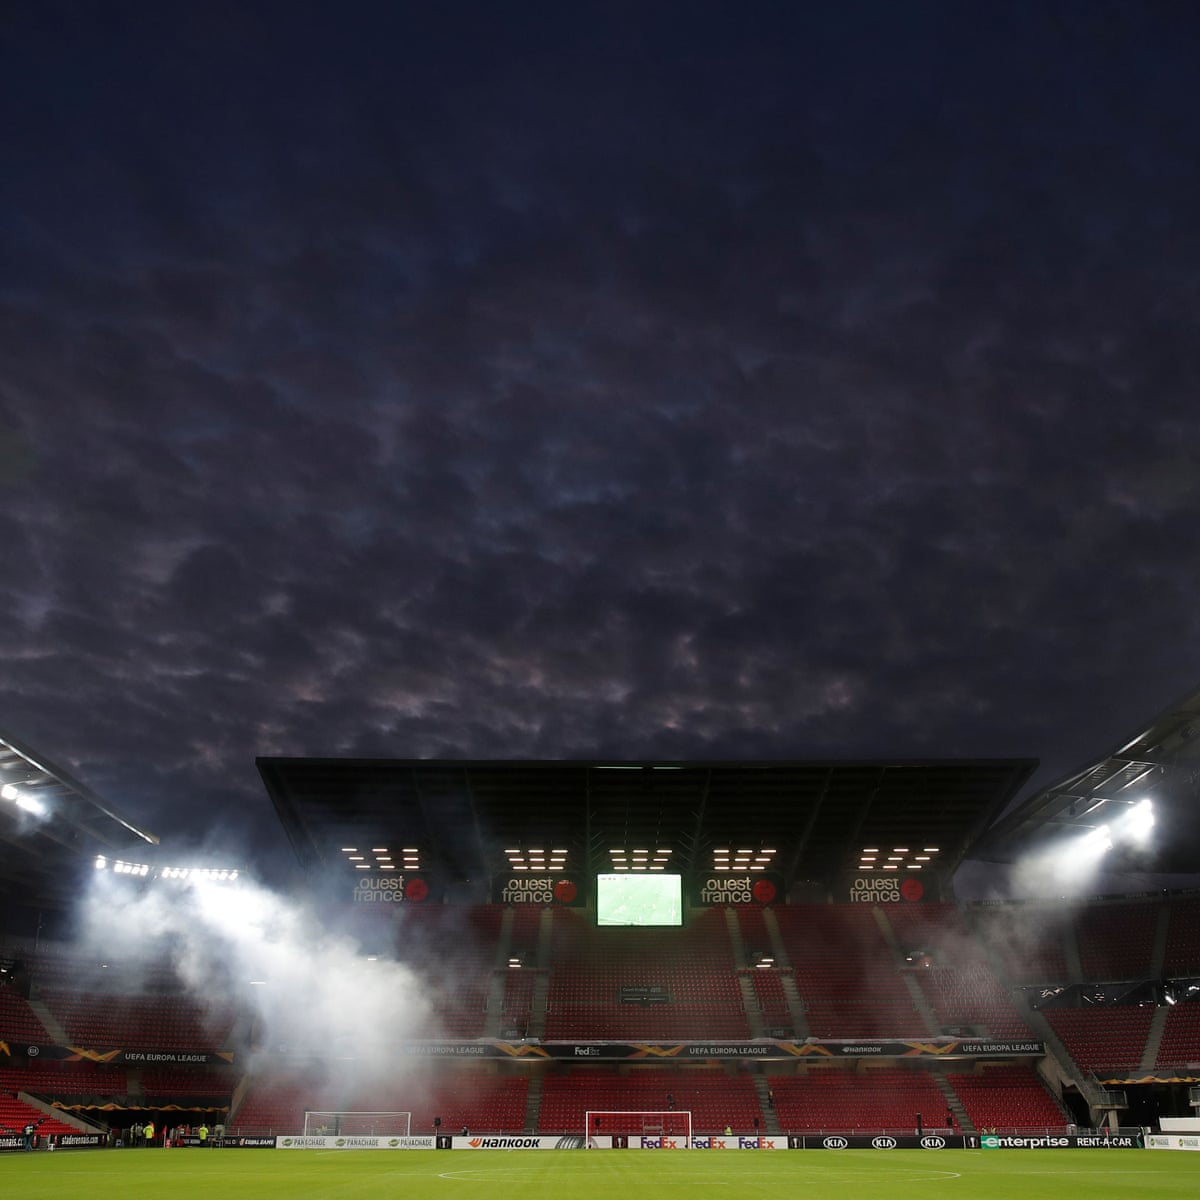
[{"x": 555, "y": 380}]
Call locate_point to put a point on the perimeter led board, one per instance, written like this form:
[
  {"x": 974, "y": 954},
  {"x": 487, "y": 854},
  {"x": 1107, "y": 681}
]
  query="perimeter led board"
[{"x": 634, "y": 898}]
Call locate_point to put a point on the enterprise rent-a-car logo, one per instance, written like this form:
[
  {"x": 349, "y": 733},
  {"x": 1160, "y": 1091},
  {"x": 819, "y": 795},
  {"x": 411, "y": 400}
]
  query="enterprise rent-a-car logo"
[{"x": 992, "y": 1141}]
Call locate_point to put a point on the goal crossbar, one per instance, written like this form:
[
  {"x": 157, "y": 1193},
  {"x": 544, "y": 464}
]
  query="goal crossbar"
[{"x": 350, "y": 1123}]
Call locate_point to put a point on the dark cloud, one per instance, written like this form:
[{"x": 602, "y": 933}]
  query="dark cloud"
[{"x": 534, "y": 382}]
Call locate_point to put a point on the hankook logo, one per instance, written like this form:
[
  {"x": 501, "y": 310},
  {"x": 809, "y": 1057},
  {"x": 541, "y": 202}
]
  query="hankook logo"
[
  {"x": 835, "y": 1143},
  {"x": 931, "y": 1141},
  {"x": 884, "y": 1143}
]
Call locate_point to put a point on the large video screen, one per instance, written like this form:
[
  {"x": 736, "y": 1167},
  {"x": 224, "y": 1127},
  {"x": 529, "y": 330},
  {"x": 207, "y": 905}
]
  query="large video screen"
[{"x": 634, "y": 898}]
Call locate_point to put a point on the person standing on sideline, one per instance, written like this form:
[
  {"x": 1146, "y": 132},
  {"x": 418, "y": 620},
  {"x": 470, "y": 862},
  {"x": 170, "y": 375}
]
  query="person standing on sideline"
[
  {"x": 149, "y": 1133},
  {"x": 27, "y": 1137},
  {"x": 202, "y": 1134}
]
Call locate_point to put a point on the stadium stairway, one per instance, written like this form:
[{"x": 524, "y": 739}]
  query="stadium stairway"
[
  {"x": 953, "y": 1103},
  {"x": 1158, "y": 1025},
  {"x": 753, "y": 1010},
  {"x": 1158, "y": 953},
  {"x": 750, "y": 1002},
  {"x": 533, "y": 1102},
  {"x": 56, "y": 1114},
  {"x": 795, "y": 1006},
  {"x": 791, "y": 993},
  {"x": 920, "y": 1002},
  {"x": 770, "y": 1117},
  {"x": 542, "y": 959},
  {"x": 1070, "y": 938},
  {"x": 47, "y": 1018}
]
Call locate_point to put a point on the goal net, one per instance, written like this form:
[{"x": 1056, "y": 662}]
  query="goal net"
[
  {"x": 671, "y": 1124},
  {"x": 351, "y": 1124}
]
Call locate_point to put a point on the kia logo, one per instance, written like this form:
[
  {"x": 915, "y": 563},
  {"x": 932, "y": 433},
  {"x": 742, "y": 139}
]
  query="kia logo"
[
  {"x": 835, "y": 1143},
  {"x": 884, "y": 1143},
  {"x": 933, "y": 1142}
]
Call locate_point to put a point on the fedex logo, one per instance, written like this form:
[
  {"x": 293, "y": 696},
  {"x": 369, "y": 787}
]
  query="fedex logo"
[
  {"x": 708, "y": 1143},
  {"x": 659, "y": 1143},
  {"x": 756, "y": 1143}
]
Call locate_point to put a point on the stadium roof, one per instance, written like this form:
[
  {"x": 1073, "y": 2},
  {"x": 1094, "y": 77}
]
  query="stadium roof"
[
  {"x": 41, "y": 851},
  {"x": 464, "y": 817},
  {"x": 1160, "y": 762}
]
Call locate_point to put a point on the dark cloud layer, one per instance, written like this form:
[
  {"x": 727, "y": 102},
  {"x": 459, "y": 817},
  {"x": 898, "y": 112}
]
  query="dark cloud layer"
[{"x": 541, "y": 381}]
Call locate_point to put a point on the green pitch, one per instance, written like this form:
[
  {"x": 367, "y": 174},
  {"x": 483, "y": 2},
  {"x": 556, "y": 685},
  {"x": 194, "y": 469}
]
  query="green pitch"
[{"x": 600, "y": 1175}]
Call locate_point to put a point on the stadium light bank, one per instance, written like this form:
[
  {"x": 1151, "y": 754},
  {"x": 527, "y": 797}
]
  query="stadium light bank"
[
  {"x": 30, "y": 804},
  {"x": 1133, "y": 827},
  {"x": 178, "y": 874}
]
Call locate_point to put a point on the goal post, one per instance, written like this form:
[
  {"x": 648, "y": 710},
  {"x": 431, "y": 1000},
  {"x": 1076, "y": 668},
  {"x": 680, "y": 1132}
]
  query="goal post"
[
  {"x": 670, "y": 1124},
  {"x": 358, "y": 1124}
]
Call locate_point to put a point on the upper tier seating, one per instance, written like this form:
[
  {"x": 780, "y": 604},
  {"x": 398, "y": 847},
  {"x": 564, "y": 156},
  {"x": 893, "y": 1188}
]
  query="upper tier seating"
[
  {"x": 1116, "y": 941},
  {"x": 1182, "y": 956},
  {"x": 1108, "y": 1037},
  {"x": 591, "y": 965},
  {"x": 18, "y": 1022},
  {"x": 1028, "y": 939},
  {"x": 953, "y": 971},
  {"x": 1180, "y": 1045},
  {"x": 846, "y": 973}
]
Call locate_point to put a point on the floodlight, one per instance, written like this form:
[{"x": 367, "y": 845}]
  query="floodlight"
[{"x": 1138, "y": 822}]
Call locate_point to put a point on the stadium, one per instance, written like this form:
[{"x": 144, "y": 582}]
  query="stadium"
[{"x": 500, "y": 956}]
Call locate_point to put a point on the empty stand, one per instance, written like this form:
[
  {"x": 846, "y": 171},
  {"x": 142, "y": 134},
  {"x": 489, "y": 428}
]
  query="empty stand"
[
  {"x": 142, "y": 1021},
  {"x": 1116, "y": 940},
  {"x": 18, "y": 1022},
  {"x": 713, "y": 1097},
  {"x": 1029, "y": 939},
  {"x": 1107, "y": 1037},
  {"x": 846, "y": 973},
  {"x": 768, "y": 991},
  {"x": 842, "y": 1100},
  {"x": 1180, "y": 1045},
  {"x": 67, "y": 1081},
  {"x": 694, "y": 964},
  {"x": 275, "y": 1102},
  {"x": 455, "y": 948},
  {"x": 1182, "y": 955},
  {"x": 1006, "y": 1097},
  {"x": 953, "y": 972}
]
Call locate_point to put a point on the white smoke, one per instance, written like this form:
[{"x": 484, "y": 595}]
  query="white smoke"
[{"x": 313, "y": 992}]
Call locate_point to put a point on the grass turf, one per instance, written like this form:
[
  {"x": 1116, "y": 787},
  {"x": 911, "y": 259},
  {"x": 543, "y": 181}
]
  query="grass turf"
[{"x": 599, "y": 1174}]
